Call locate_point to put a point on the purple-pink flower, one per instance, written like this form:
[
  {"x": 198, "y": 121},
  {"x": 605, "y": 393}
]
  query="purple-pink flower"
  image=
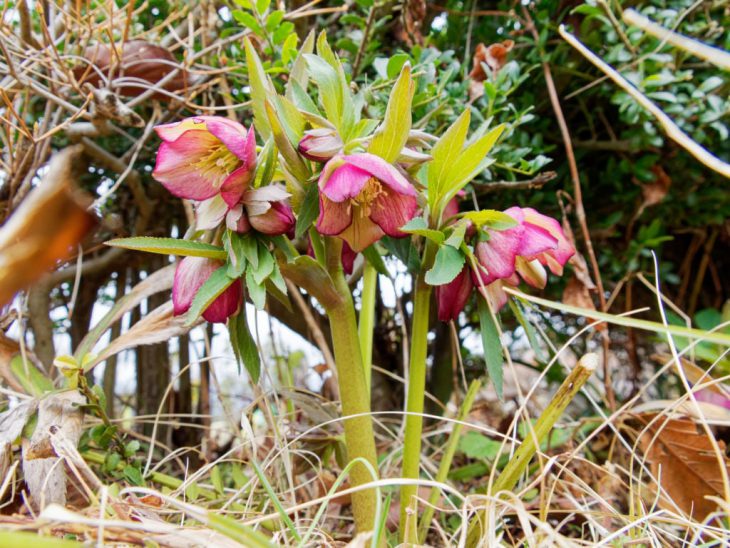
[
  {"x": 362, "y": 198},
  {"x": 204, "y": 156},
  {"x": 320, "y": 144},
  {"x": 191, "y": 273}
]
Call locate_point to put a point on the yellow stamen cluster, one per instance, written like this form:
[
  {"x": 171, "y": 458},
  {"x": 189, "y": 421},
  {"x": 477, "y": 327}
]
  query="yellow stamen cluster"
[
  {"x": 217, "y": 164},
  {"x": 363, "y": 202}
]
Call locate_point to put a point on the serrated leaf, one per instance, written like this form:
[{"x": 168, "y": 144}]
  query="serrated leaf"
[
  {"x": 266, "y": 164},
  {"x": 216, "y": 284},
  {"x": 492, "y": 218},
  {"x": 309, "y": 209},
  {"x": 444, "y": 154},
  {"x": 265, "y": 265},
  {"x": 456, "y": 238},
  {"x": 330, "y": 92},
  {"x": 256, "y": 291},
  {"x": 298, "y": 74},
  {"x": 250, "y": 249},
  {"x": 418, "y": 225},
  {"x": 291, "y": 157},
  {"x": 406, "y": 252},
  {"x": 170, "y": 246},
  {"x": 391, "y": 136},
  {"x": 236, "y": 257},
  {"x": 244, "y": 346},
  {"x": 447, "y": 265},
  {"x": 493, "y": 354}
]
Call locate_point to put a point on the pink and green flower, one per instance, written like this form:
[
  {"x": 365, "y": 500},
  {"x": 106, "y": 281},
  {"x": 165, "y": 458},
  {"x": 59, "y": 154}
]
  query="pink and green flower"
[{"x": 191, "y": 273}]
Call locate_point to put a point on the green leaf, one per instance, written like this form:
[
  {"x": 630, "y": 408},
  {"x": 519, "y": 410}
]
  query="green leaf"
[
  {"x": 445, "y": 153},
  {"x": 256, "y": 291},
  {"x": 236, "y": 257},
  {"x": 529, "y": 330},
  {"x": 478, "y": 446},
  {"x": 446, "y": 266},
  {"x": 265, "y": 266},
  {"x": 133, "y": 475},
  {"x": 170, "y": 246},
  {"x": 330, "y": 91},
  {"x": 418, "y": 225},
  {"x": 298, "y": 74},
  {"x": 261, "y": 88},
  {"x": 470, "y": 163},
  {"x": 309, "y": 209},
  {"x": 492, "y": 218},
  {"x": 247, "y": 20},
  {"x": 373, "y": 256},
  {"x": 273, "y": 20},
  {"x": 244, "y": 346},
  {"x": 456, "y": 238},
  {"x": 396, "y": 64},
  {"x": 392, "y": 135},
  {"x": 291, "y": 157},
  {"x": 216, "y": 284},
  {"x": 216, "y": 479},
  {"x": 131, "y": 448},
  {"x": 262, "y": 6},
  {"x": 493, "y": 353},
  {"x": 266, "y": 164},
  {"x": 250, "y": 249}
]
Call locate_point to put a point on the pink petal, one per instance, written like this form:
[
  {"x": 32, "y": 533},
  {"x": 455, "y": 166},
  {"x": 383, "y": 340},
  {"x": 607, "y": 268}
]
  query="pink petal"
[
  {"x": 319, "y": 145},
  {"x": 237, "y": 220},
  {"x": 234, "y": 136},
  {"x": 171, "y": 132},
  {"x": 279, "y": 219},
  {"x": 452, "y": 297},
  {"x": 495, "y": 294},
  {"x": 334, "y": 217},
  {"x": 535, "y": 240},
  {"x": 556, "y": 258},
  {"x": 175, "y": 168},
  {"x": 348, "y": 258},
  {"x": 391, "y": 210},
  {"x": 344, "y": 183},
  {"x": 191, "y": 273},
  {"x": 210, "y": 213},
  {"x": 382, "y": 171},
  {"x": 361, "y": 233},
  {"x": 235, "y": 185},
  {"x": 498, "y": 254}
]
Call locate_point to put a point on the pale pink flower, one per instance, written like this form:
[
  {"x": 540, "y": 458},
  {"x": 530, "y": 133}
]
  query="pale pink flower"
[{"x": 320, "y": 144}]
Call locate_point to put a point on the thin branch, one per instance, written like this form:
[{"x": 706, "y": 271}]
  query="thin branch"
[{"x": 538, "y": 181}]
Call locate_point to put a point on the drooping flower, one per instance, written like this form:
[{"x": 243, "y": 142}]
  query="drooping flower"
[
  {"x": 362, "y": 198},
  {"x": 263, "y": 209},
  {"x": 320, "y": 144},
  {"x": 191, "y": 273},
  {"x": 204, "y": 156},
  {"x": 348, "y": 256},
  {"x": 451, "y": 298}
]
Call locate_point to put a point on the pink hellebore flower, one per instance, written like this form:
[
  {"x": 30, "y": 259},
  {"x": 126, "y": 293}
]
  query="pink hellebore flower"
[
  {"x": 191, "y": 273},
  {"x": 348, "y": 257},
  {"x": 536, "y": 241},
  {"x": 453, "y": 296},
  {"x": 362, "y": 198},
  {"x": 203, "y": 156},
  {"x": 320, "y": 144}
]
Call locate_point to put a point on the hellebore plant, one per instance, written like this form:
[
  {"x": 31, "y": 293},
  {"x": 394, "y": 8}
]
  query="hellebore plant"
[{"x": 324, "y": 186}]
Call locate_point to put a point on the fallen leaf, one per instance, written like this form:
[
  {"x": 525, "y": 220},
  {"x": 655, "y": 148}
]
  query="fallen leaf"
[
  {"x": 43, "y": 470},
  {"x": 494, "y": 57},
  {"x": 656, "y": 191},
  {"x": 44, "y": 229},
  {"x": 682, "y": 458}
]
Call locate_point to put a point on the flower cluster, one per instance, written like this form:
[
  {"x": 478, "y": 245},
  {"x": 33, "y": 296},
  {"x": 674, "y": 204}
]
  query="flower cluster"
[{"x": 503, "y": 257}]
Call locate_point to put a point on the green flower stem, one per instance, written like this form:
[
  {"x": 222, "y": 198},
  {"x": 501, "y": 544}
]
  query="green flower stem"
[
  {"x": 367, "y": 318},
  {"x": 354, "y": 393},
  {"x": 414, "y": 403},
  {"x": 447, "y": 458},
  {"x": 522, "y": 457}
]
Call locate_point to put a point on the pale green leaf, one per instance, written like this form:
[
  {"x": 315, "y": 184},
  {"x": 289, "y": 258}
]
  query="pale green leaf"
[
  {"x": 170, "y": 246},
  {"x": 418, "y": 225},
  {"x": 493, "y": 353},
  {"x": 216, "y": 284},
  {"x": 447, "y": 265},
  {"x": 261, "y": 88},
  {"x": 391, "y": 136}
]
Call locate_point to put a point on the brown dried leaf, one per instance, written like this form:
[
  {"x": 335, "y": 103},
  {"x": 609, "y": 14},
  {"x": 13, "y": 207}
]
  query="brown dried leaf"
[
  {"x": 577, "y": 294},
  {"x": 44, "y": 474},
  {"x": 681, "y": 456},
  {"x": 494, "y": 56},
  {"x": 655, "y": 192},
  {"x": 44, "y": 229}
]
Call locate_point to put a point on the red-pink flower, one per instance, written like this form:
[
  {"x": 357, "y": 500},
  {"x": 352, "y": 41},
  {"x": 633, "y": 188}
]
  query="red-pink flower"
[
  {"x": 362, "y": 198},
  {"x": 452, "y": 297},
  {"x": 535, "y": 241},
  {"x": 191, "y": 273},
  {"x": 203, "y": 156},
  {"x": 348, "y": 256}
]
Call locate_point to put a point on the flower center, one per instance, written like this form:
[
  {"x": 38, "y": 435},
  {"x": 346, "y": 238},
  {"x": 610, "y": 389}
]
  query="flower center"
[
  {"x": 363, "y": 202},
  {"x": 217, "y": 164}
]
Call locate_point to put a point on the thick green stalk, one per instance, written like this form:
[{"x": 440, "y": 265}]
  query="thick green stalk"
[
  {"x": 414, "y": 407},
  {"x": 366, "y": 324},
  {"x": 527, "y": 449}
]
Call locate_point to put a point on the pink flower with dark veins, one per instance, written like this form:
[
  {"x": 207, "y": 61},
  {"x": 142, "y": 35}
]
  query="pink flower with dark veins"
[
  {"x": 363, "y": 198},
  {"x": 191, "y": 273}
]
